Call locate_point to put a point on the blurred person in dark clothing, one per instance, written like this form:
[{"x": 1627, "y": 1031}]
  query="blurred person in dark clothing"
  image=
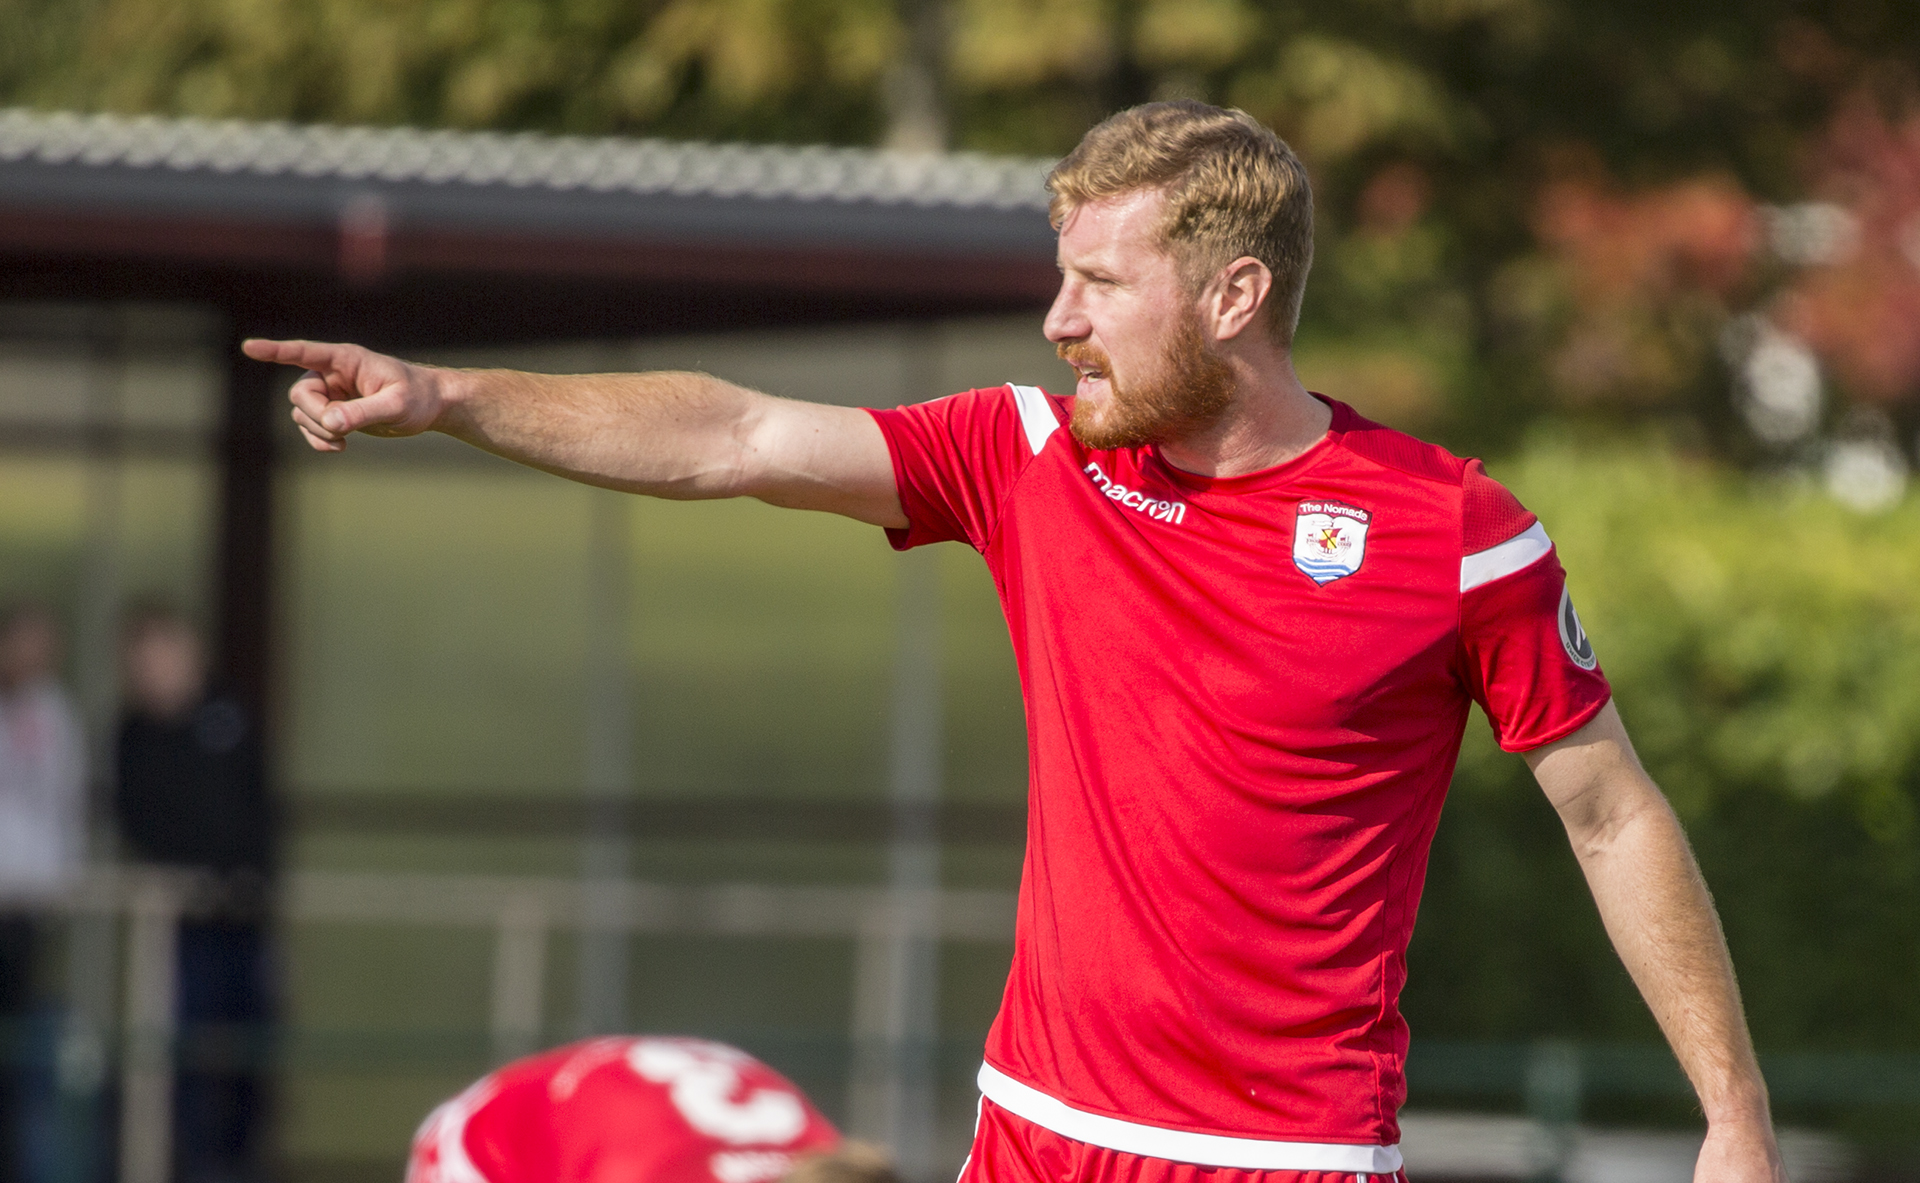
[
  {"x": 43, "y": 809},
  {"x": 192, "y": 793}
]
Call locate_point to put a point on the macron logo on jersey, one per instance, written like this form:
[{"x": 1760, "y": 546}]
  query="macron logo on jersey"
[
  {"x": 1037, "y": 420},
  {"x": 1135, "y": 500}
]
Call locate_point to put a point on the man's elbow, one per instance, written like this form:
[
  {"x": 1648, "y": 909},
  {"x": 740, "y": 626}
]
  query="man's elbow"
[
  {"x": 737, "y": 453},
  {"x": 1613, "y": 811}
]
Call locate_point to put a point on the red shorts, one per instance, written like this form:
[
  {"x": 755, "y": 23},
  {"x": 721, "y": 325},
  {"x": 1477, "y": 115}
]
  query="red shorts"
[{"x": 1011, "y": 1149}]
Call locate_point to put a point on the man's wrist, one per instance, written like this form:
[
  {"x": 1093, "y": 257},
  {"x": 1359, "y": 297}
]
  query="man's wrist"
[
  {"x": 452, "y": 391},
  {"x": 1742, "y": 1108}
]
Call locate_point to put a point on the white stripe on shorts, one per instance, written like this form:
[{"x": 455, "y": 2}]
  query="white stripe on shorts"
[{"x": 1210, "y": 1150}]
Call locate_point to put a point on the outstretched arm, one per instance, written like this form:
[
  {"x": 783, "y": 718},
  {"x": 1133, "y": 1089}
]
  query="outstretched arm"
[
  {"x": 679, "y": 435},
  {"x": 1657, "y": 911}
]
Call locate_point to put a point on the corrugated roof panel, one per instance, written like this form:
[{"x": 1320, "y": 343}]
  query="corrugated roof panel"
[{"x": 525, "y": 160}]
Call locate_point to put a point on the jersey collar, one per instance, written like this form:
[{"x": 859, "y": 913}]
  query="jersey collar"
[{"x": 1264, "y": 478}]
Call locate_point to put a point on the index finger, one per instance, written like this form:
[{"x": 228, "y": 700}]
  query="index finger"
[{"x": 312, "y": 355}]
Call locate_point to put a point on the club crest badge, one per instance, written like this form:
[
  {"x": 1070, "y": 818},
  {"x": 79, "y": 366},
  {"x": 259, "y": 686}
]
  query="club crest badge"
[
  {"x": 1573, "y": 638},
  {"x": 1329, "y": 540}
]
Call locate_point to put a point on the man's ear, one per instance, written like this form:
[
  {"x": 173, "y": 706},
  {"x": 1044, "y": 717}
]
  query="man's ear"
[{"x": 1237, "y": 297}]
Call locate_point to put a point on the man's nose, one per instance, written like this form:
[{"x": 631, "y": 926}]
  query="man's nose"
[{"x": 1066, "y": 320}]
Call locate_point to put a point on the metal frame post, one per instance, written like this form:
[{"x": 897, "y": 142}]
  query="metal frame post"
[
  {"x": 519, "y": 979},
  {"x": 154, "y": 907},
  {"x": 895, "y": 1087},
  {"x": 243, "y": 621},
  {"x": 606, "y": 849}
]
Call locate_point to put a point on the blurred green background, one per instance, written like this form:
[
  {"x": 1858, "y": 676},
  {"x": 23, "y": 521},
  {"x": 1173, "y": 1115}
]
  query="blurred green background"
[{"x": 1658, "y": 263}]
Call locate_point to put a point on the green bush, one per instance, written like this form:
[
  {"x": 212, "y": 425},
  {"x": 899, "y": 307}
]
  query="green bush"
[{"x": 1764, "y": 647}]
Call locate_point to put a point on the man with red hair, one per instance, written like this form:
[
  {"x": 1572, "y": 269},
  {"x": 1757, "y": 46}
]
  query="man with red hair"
[{"x": 1249, "y": 624}]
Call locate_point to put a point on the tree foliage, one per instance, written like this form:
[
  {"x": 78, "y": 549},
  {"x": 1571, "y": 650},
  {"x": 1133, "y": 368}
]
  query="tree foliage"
[
  {"x": 761, "y": 69},
  {"x": 1527, "y": 206},
  {"x": 1764, "y": 647}
]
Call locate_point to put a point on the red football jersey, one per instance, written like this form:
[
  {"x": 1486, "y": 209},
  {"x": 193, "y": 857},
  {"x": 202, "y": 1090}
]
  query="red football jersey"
[
  {"x": 1245, "y": 698},
  {"x": 647, "y": 1110}
]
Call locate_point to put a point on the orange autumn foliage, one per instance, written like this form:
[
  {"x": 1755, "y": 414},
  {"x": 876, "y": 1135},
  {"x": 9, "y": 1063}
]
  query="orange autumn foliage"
[
  {"x": 1861, "y": 311},
  {"x": 1641, "y": 270},
  {"x": 1698, "y": 233}
]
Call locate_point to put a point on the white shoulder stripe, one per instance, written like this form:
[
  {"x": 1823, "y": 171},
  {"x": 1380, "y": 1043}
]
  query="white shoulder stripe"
[
  {"x": 1209, "y": 1150},
  {"x": 1521, "y": 551},
  {"x": 1036, "y": 415}
]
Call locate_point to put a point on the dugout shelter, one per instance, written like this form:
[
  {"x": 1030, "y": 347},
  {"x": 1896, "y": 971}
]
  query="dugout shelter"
[
  {"x": 138, "y": 252},
  {"x": 409, "y": 239}
]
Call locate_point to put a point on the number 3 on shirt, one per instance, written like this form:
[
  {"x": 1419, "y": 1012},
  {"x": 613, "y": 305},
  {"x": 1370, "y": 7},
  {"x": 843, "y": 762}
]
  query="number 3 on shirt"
[{"x": 702, "y": 1078}]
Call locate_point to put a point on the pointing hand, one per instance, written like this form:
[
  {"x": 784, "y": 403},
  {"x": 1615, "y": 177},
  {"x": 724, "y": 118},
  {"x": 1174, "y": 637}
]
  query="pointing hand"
[{"x": 348, "y": 388}]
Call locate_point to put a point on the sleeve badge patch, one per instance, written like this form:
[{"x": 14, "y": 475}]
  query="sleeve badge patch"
[
  {"x": 1573, "y": 638},
  {"x": 1329, "y": 540}
]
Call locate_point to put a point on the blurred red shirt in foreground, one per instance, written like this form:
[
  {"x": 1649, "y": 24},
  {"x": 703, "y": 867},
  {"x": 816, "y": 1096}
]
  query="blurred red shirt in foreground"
[{"x": 623, "y": 1110}]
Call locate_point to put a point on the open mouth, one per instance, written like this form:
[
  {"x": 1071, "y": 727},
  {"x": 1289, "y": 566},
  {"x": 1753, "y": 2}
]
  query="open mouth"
[{"x": 1089, "y": 364}]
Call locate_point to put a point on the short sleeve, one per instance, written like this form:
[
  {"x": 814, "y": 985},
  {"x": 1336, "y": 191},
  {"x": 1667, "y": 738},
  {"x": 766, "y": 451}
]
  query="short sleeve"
[
  {"x": 956, "y": 459},
  {"x": 1523, "y": 653}
]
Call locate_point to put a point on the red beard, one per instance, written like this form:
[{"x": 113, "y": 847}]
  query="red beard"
[{"x": 1190, "y": 390}]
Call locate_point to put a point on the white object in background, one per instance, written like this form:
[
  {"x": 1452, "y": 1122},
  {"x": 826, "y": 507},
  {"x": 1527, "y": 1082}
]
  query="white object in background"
[
  {"x": 1482, "y": 1146},
  {"x": 42, "y": 790},
  {"x": 1497, "y": 1146},
  {"x": 1868, "y": 475},
  {"x": 1778, "y": 378},
  {"x": 1812, "y": 233},
  {"x": 146, "y": 1075}
]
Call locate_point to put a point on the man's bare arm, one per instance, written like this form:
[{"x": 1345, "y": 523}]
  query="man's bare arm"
[
  {"x": 1656, "y": 909},
  {"x": 678, "y": 435}
]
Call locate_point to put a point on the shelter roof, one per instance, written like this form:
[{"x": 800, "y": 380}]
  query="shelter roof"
[
  {"x": 365, "y": 208},
  {"x": 290, "y": 168}
]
